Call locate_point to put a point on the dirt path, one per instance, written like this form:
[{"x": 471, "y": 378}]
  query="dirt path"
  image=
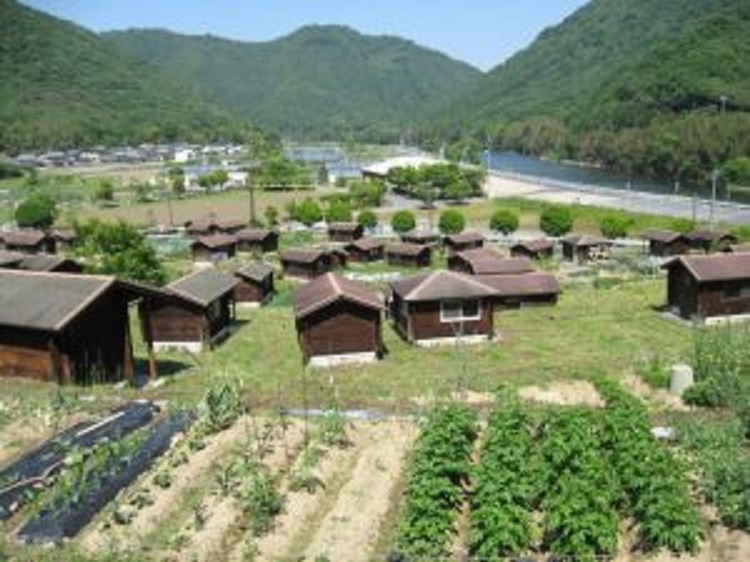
[
  {"x": 186, "y": 479},
  {"x": 220, "y": 529},
  {"x": 350, "y": 530}
]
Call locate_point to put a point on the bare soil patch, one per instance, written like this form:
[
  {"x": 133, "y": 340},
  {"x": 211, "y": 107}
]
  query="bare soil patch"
[
  {"x": 658, "y": 399},
  {"x": 563, "y": 393}
]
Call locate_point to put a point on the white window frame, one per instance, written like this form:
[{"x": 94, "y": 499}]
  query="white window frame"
[{"x": 461, "y": 306}]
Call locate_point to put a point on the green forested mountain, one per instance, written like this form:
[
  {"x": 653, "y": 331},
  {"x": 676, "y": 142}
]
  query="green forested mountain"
[
  {"x": 637, "y": 84},
  {"x": 319, "y": 81},
  {"x": 65, "y": 86}
]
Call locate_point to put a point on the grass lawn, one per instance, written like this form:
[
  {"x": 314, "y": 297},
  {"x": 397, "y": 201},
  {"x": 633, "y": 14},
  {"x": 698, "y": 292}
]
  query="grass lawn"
[{"x": 591, "y": 331}]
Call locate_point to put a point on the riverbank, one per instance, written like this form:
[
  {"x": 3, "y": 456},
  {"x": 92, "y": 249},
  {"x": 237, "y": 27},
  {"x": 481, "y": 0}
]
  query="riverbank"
[{"x": 502, "y": 185}]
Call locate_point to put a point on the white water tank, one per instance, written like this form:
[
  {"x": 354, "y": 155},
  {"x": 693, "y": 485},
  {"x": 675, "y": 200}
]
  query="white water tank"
[{"x": 681, "y": 379}]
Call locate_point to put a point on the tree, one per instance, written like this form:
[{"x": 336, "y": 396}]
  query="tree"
[
  {"x": 367, "y": 193},
  {"x": 615, "y": 226},
  {"x": 38, "y": 210},
  {"x": 339, "y": 211},
  {"x": 737, "y": 171},
  {"x": 178, "y": 185},
  {"x": 458, "y": 190},
  {"x": 105, "y": 191},
  {"x": 119, "y": 249},
  {"x": 272, "y": 215},
  {"x": 556, "y": 220},
  {"x": 403, "y": 221},
  {"x": 505, "y": 221},
  {"x": 367, "y": 218},
  {"x": 308, "y": 212},
  {"x": 451, "y": 222}
]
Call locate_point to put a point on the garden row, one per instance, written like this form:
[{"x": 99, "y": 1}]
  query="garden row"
[{"x": 560, "y": 482}]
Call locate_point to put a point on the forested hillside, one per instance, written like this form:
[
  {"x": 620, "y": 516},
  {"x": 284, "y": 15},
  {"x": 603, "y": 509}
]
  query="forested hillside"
[
  {"x": 637, "y": 84},
  {"x": 321, "y": 81},
  {"x": 64, "y": 86}
]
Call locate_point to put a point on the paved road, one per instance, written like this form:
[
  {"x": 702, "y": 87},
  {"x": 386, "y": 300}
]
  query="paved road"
[{"x": 514, "y": 185}]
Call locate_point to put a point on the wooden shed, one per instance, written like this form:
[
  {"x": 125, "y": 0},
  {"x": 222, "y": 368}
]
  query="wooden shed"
[
  {"x": 666, "y": 243},
  {"x": 538, "y": 249},
  {"x": 210, "y": 225},
  {"x": 408, "y": 255},
  {"x": 27, "y": 241},
  {"x": 49, "y": 263},
  {"x": 484, "y": 261},
  {"x": 338, "y": 321},
  {"x": 439, "y": 307},
  {"x": 256, "y": 284},
  {"x": 257, "y": 241},
  {"x": 420, "y": 237},
  {"x": 365, "y": 250},
  {"x": 705, "y": 288},
  {"x": 305, "y": 263},
  {"x": 585, "y": 248},
  {"x": 68, "y": 328},
  {"x": 455, "y": 243},
  {"x": 527, "y": 289},
  {"x": 64, "y": 239},
  {"x": 708, "y": 241},
  {"x": 214, "y": 248},
  {"x": 345, "y": 231},
  {"x": 197, "y": 313}
]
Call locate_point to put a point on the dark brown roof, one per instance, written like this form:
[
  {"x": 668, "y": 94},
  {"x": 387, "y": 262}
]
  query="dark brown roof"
[
  {"x": 46, "y": 262},
  {"x": 718, "y": 267},
  {"x": 254, "y": 234},
  {"x": 484, "y": 261},
  {"x": 302, "y": 255},
  {"x": 344, "y": 226},
  {"x": 204, "y": 224},
  {"x": 440, "y": 285},
  {"x": 464, "y": 238},
  {"x": 366, "y": 244},
  {"x": 584, "y": 240},
  {"x": 204, "y": 286},
  {"x": 64, "y": 234},
  {"x": 411, "y": 250},
  {"x": 47, "y": 301},
  {"x": 254, "y": 271},
  {"x": 526, "y": 285},
  {"x": 215, "y": 241},
  {"x": 26, "y": 237},
  {"x": 329, "y": 288},
  {"x": 709, "y": 236},
  {"x": 538, "y": 245},
  {"x": 665, "y": 236},
  {"x": 420, "y": 236},
  {"x": 9, "y": 259}
]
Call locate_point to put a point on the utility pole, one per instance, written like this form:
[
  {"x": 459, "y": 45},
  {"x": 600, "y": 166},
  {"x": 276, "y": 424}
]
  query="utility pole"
[
  {"x": 251, "y": 193},
  {"x": 714, "y": 181}
]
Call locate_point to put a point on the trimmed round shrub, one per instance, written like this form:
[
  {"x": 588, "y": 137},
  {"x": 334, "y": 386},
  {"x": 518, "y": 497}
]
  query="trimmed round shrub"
[
  {"x": 403, "y": 221},
  {"x": 451, "y": 222},
  {"x": 615, "y": 226},
  {"x": 504, "y": 221},
  {"x": 556, "y": 221},
  {"x": 367, "y": 219}
]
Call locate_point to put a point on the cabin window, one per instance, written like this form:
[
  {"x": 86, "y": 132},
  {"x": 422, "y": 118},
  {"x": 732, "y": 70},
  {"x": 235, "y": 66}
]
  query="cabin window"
[
  {"x": 459, "y": 311},
  {"x": 737, "y": 292}
]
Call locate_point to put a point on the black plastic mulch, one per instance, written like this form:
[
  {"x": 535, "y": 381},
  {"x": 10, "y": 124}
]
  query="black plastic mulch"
[
  {"x": 59, "y": 522},
  {"x": 18, "y": 479}
]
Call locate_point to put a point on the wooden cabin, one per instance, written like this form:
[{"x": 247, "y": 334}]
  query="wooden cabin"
[
  {"x": 708, "y": 241},
  {"x": 456, "y": 243},
  {"x": 197, "y": 313},
  {"x": 338, "y": 321},
  {"x": 365, "y": 250},
  {"x": 68, "y": 328},
  {"x": 538, "y": 249},
  {"x": 214, "y": 248},
  {"x": 27, "y": 241},
  {"x": 585, "y": 248},
  {"x": 257, "y": 241},
  {"x": 420, "y": 238},
  {"x": 706, "y": 288},
  {"x": 10, "y": 260},
  {"x": 520, "y": 291},
  {"x": 345, "y": 231},
  {"x": 408, "y": 255},
  {"x": 483, "y": 261},
  {"x": 305, "y": 263},
  {"x": 210, "y": 226},
  {"x": 256, "y": 284},
  {"x": 665, "y": 243},
  {"x": 63, "y": 239},
  {"x": 50, "y": 263},
  {"x": 441, "y": 307}
]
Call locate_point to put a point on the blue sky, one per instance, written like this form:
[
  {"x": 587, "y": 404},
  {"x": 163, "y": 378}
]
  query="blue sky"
[{"x": 481, "y": 32}]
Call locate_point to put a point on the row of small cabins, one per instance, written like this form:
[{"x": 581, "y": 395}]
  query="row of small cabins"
[{"x": 68, "y": 327}]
